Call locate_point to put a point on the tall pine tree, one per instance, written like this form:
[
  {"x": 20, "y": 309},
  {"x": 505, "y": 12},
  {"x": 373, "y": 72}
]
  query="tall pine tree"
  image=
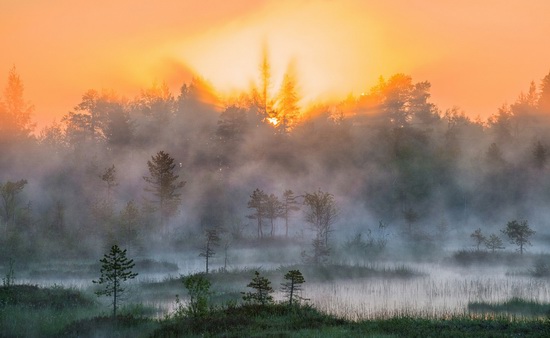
[{"x": 164, "y": 185}]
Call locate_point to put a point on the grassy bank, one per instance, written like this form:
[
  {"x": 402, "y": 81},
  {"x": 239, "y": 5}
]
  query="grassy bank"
[{"x": 30, "y": 311}]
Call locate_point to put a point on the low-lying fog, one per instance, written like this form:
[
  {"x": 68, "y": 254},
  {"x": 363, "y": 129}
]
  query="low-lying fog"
[{"x": 405, "y": 208}]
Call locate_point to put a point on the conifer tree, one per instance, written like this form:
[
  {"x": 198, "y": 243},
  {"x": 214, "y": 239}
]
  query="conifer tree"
[
  {"x": 212, "y": 240},
  {"x": 164, "y": 184},
  {"x": 262, "y": 287},
  {"x": 115, "y": 270},
  {"x": 293, "y": 286}
]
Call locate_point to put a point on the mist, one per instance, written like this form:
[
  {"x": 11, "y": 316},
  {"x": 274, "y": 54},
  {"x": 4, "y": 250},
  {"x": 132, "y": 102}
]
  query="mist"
[
  {"x": 409, "y": 183},
  {"x": 381, "y": 155}
]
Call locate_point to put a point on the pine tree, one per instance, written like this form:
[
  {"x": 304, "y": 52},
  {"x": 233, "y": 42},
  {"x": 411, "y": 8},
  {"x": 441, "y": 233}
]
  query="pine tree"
[
  {"x": 164, "y": 185},
  {"x": 212, "y": 240},
  {"x": 265, "y": 83},
  {"x": 293, "y": 286},
  {"x": 109, "y": 178},
  {"x": 15, "y": 112},
  {"x": 288, "y": 110},
  {"x": 262, "y": 287},
  {"x": 115, "y": 270}
]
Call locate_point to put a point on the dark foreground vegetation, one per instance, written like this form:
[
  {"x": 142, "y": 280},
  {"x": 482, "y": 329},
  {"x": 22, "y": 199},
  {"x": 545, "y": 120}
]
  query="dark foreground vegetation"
[{"x": 70, "y": 313}]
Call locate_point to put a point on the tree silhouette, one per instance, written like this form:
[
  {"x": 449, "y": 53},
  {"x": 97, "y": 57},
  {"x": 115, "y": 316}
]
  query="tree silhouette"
[
  {"x": 108, "y": 176},
  {"x": 119, "y": 127},
  {"x": 287, "y": 102},
  {"x": 15, "y": 112},
  {"x": 518, "y": 233},
  {"x": 478, "y": 238},
  {"x": 494, "y": 243},
  {"x": 88, "y": 122},
  {"x": 115, "y": 270},
  {"x": 164, "y": 185},
  {"x": 264, "y": 102},
  {"x": 293, "y": 286},
  {"x": 257, "y": 202},
  {"x": 9, "y": 192},
  {"x": 130, "y": 223},
  {"x": 289, "y": 204},
  {"x": 544, "y": 97},
  {"x": 212, "y": 239},
  {"x": 262, "y": 287},
  {"x": 321, "y": 214},
  {"x": 273, "y": 210},
  {"x": 540, "y": 155}
]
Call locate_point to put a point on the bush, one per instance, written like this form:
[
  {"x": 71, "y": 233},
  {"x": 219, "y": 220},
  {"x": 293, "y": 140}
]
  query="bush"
[{"x": 198, "y": 288}]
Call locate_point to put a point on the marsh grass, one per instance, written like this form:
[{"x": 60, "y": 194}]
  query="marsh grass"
[
  {"x": 34, "y": 297},
  {"x": 513, "y": 306},
  {"x": 31, "y": 311},
  {"x": 431, "y": 297}
]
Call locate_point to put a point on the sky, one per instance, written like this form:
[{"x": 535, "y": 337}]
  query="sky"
[{"x": 477, "y": 55}]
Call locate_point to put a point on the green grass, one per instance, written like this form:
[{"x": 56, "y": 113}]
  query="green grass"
[{"x": 279, "y": 320}]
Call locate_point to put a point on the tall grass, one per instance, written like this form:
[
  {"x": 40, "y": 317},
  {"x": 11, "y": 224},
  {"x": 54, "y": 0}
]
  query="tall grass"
[{"x": 424, "y": 297}]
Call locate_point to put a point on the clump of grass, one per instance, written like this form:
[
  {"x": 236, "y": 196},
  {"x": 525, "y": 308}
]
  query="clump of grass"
[
  {"x": 32, "y": 296},
  {"x": 514, "y": 306},
  {"x": 249, "y": 320},
  {"x": 30, "y": 311},
  {"x": 332, "y": 272},
  {"x": 484, "y": 258}
]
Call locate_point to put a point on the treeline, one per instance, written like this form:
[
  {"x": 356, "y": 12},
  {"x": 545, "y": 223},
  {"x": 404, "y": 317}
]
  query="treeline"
[{"x": 388, "y": 155}]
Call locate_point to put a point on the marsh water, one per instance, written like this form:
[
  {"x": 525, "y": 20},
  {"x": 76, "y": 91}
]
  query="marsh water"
[{"x": 438, "y": 290}]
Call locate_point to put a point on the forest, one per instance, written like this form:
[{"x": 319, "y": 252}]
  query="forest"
[{"x": 387, "y": 157}]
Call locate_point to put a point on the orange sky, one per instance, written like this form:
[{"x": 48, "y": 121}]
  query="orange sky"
[{"x": 477, "y": 54}]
